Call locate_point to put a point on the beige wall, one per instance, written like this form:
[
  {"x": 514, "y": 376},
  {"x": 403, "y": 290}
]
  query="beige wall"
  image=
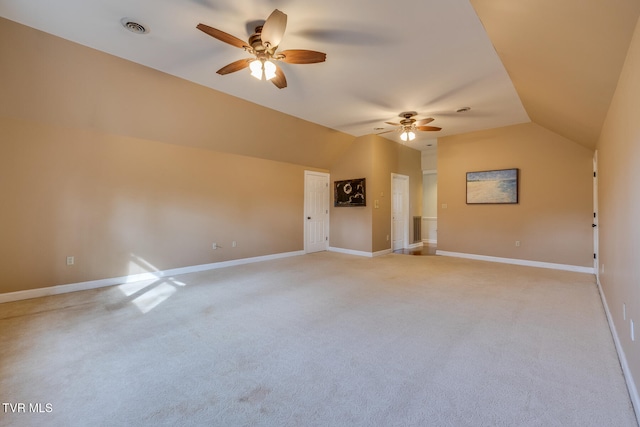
[
  {"x": 55, "y": 81},
  {"x": 129, "y": 169},
  {"x": 430, "y": 159},
  {"x": 553, "y": 218},
  {"x": 390, "y": 157},
  {"x": 430, "y": 195},
  {"x": 120, "y": 165},
  {"x": 619, "y": 205},
  {"x": 351, "y": 226},
  {"x": 375, "y": 158},
  {"x": 117, "y": 203}
]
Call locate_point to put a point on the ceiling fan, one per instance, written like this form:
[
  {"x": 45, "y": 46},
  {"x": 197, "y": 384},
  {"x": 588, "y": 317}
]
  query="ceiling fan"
[
  {"x": 263, "y": 45},
  {"x": 408, "y": 126}
]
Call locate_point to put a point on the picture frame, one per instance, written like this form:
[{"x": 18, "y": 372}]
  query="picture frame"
[
  {"x": 499, "y": 186},
  {"x": 350, "y": 192}
]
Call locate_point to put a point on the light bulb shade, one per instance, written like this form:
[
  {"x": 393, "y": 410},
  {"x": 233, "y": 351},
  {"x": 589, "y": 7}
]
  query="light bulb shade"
[
  {"x": 407, "y": 135},
  {"x": 269, "y": 70},
  {"x": 256, "y": 69}
]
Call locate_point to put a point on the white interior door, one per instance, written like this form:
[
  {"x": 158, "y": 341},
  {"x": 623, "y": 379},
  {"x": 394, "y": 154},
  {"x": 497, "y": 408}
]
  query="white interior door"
[
  {"x": 399, "y": 211},
  {"x": 316, "y": 211}
]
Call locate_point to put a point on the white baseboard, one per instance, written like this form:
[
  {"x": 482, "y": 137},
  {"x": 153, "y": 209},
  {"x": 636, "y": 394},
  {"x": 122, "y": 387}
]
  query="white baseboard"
[
  {"x": 430, "y": 241},
  {"x": 631, "y": 384},
  {"x": 415, "y": 245},
  {"x": 360, "y": 253},
  {"x": 350, "y": 252},
  {"x": 525, "y": 262},
  {"x": 101, "y": 283}
]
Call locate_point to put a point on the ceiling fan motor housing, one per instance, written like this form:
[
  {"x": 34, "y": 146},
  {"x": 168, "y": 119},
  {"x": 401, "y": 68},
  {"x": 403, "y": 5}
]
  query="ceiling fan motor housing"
[
  {"x": 256, "y": 40},
  {"x": 408, "y": 114},
  {"x": 408, "y": 119}
]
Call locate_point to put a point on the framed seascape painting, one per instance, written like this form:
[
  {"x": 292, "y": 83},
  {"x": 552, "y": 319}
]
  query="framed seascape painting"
[
  {"x": 493, "y": 187},
  {"x": 350, "y": 192}
]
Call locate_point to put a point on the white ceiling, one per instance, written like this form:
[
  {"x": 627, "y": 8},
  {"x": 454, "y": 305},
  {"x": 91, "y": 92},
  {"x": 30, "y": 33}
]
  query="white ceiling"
[{"x": 433, "y": 57}]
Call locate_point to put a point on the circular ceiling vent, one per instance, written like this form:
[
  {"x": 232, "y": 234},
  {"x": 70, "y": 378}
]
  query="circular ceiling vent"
[{"x": 133, "y": 26}]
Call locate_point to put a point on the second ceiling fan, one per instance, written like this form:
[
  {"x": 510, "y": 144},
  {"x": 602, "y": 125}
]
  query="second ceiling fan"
[
  {"x": 408, "y": 126},
  {"x": 263, "y": 44}
]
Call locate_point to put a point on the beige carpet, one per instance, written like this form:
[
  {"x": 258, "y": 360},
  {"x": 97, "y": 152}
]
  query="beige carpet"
[{"x": 319, "y": 340}]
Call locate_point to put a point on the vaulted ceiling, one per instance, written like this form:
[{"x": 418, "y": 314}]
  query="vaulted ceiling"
[
  {"x": 552, "y": 62},
  {"x": 564, "y": 57}
]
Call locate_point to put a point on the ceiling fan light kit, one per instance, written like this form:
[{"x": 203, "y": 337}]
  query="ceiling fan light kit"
[
  {"x": 263, "y": 45},
  {"x": 407, "y": 135},
  {"x": 262, "y": 69}
]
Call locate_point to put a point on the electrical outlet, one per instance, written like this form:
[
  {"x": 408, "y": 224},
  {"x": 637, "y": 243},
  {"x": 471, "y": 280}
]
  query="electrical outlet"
[
  {"x": 233, "y": 244},
  {"x": 71, "y": 260},
  {"x": 387, "y": 237},
  {"x": 517, "y": 242},
  {"x": 444, "y": 206},
  {"x": 214, "y": 246}
]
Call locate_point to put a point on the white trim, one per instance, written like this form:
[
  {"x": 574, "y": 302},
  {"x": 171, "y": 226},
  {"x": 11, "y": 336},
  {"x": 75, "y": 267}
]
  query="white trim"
[
  {"x": 360, "y": 253},
  {"x": 430, "y": 229},
  {"x": 415, "y": 245},
  {"x": 576, "y": 268},
  {"x": 631, "y": 385},
  {"x": 383, "y": 252},
  {"x": 350, "y": 252},
  {"x": 101, "y": 283}
]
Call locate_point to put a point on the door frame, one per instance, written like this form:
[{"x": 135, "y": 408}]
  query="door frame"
[
  {"x": 305, "y": 213},
  {"x": 596, "y": 214},
  {"x": 432, "y": 221},
  {"x": 405, "y": 206}
]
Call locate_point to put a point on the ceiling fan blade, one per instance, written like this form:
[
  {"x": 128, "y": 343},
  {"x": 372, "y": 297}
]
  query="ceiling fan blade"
[
  {"x": 428, "y": 128},
  {"x": 273, "y": 29},
  {"x": 238, "y": 65},
  {"x": 301, "y": 56},
  {"x": 393, "y": 124},
  {"x": 424, "y": 121},
  {"x": 279, "y": 80},
  {"x": 222, "y": 36}
]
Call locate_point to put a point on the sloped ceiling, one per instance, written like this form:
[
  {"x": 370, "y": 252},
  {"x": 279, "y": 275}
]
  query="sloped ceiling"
[
  {"x": 383, "y": 58},
  {"x": 564, "y": 57},
  {"x": 554, "y": 62}
]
